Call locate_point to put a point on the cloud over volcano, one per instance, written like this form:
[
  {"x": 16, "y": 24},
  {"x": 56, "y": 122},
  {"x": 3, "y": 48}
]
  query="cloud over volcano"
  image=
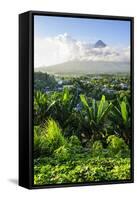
[{"x": 63, "y": 48}]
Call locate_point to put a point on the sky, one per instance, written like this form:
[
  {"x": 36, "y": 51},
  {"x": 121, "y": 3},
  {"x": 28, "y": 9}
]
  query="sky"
[{"x": 60, "y": 39}]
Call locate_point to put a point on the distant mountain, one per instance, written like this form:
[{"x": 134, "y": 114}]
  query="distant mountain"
[
  {"x": 87, "y": 67},
  {"x": 100, "y": 44}
]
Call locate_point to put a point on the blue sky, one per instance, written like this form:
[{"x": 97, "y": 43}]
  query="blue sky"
[{"x": 112, "y": 32}]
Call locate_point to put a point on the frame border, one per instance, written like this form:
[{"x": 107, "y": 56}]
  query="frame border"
[{"x": 31, "y": 93}]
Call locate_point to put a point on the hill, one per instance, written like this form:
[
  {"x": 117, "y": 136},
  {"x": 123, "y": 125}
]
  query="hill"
[{"x": 86, "y": 67}]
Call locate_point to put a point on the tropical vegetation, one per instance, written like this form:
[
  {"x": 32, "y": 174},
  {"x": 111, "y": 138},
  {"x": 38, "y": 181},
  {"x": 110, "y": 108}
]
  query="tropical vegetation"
[{"x": 82, "y": 128}]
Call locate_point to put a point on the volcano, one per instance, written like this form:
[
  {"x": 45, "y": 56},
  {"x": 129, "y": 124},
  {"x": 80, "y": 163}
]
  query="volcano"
[{"x": 100, "y": 44}]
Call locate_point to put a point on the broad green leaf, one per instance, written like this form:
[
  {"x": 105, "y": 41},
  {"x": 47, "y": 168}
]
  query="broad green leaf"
[
  {"x": 83, "y": 100},
  {"x": 94, "y": 108},
  {"x": 124, "y": 111},
  {"x": 101, "y": 106},
  {"x": 105, "y": 112},
  {"x": 85, "y": 103}
]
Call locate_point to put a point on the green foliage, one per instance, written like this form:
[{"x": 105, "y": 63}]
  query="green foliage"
[
  {"x": 124, "y": 112},
  {"x": 47, "y": 138},
  {"x": 84, "y": 101},
  {"x": 103, "y": 109},
  {"x": 82, "y": 170},
  {"x": 74, "y": 145},
  {"x": 37, "y": 141},
  {"x": 42, "y": 107},
  {"x": 62, "y": 153},
  {"x": 81, "y": 133},
  {"x": 74, "y": 141},
  {"x": 52, "y": 137},
  {"x": 121, "y": 171},
  {"x": 71, "y": 148},
  {"x": 42, "y": 80},
  {"x": 121, "y": 120},
  {"x": 97, "y": 149},
  {"x": 69, "y": 165},
  {"x": 63, "y": 110},
  {"x": 117, "y": 146},
  {"x": 92, "y": 117}
]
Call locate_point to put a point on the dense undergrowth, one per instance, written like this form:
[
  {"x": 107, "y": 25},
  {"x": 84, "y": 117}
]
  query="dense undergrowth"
[{"x": 60, "y": 160}]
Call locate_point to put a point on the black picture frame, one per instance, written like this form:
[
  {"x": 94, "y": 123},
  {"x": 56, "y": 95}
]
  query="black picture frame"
[{"x": 26, "y": 69}]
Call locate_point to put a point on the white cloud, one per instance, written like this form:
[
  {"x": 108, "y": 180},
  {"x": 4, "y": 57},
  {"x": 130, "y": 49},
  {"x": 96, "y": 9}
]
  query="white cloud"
[{"x": 63, "y": 48}]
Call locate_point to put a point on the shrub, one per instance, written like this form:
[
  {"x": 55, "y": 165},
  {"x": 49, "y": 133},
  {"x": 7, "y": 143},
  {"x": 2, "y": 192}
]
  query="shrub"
[
  {"x": 121, "y": 171},
  {"x": 52, "y": 137},
  {"x": 97, "y": 148},
  {"x": 36, "y": 141},
  {"x": 62, "y": 153},
  {"x": 74, "y": 144},
  {"x": 117, "y": 146},
  {"x": 74, "y": 141},
  {"x": 85, "y": 170}
]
